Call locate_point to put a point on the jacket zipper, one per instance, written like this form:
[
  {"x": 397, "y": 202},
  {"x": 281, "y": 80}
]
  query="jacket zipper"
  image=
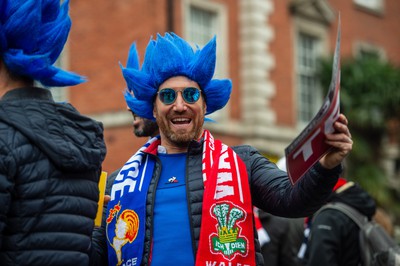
[{"x": 157, "y": 178}]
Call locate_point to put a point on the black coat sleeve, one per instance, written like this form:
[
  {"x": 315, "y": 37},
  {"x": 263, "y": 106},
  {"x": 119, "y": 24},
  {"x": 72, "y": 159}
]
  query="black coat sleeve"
[{"x": 273, "y": 192}]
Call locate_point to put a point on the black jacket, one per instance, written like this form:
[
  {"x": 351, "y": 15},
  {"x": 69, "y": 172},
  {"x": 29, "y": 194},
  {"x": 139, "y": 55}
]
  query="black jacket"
[
  {"x": 286, "y": 236},
  {"x": 334, "y": 238},
  {"x": 50, "y": 162},
  {"x": 270, "y": 187}
]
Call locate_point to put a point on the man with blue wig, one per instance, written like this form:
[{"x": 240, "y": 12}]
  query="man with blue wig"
[
  {"x": 50, "y": 155},
  {"x": 186, "y": 198}
]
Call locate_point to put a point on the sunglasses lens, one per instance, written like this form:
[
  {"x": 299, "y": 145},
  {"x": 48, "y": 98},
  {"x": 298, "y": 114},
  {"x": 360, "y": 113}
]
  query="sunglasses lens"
[
  {"x": 167, "y": 96},
  {"x": 191, "y": 95}
]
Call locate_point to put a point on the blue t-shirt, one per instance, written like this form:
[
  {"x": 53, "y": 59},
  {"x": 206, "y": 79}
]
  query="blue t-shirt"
[{"x": 172, "y": 243}]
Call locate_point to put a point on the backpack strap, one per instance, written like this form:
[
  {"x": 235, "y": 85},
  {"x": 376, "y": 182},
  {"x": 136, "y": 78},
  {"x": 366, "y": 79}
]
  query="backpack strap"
[
  {"x": 351, "y": 212},
  {"x": 357, "y": 217}
]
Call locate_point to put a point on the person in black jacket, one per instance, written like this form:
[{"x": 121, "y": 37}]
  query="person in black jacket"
[
  {"x": 286, "y": 235},
  {"x": 186, "y": 198},
  {"x": 50, "y": 155},
  {"x": 334, "y": 237}
]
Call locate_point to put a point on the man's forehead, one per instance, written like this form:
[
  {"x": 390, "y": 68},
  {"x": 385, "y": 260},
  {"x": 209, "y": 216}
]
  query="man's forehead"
[{"x": 178, "y": 81}]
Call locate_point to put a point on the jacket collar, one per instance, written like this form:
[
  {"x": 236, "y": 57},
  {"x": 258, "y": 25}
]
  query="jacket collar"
[{"x": 28, "y": 93}]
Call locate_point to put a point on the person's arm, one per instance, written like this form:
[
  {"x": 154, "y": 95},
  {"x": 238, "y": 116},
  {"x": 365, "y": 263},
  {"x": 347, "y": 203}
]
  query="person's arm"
[
  {"x": 273, "y": 192},
  {"x": 99, "y": 253}
]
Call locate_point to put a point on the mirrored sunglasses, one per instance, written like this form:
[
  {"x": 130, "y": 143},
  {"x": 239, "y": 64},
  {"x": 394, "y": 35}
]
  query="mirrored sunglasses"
[{"x": 189, "y": 95}]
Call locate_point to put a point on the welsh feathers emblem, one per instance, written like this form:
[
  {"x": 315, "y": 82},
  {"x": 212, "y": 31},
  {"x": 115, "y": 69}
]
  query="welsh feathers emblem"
[{"x": 228, "y": 240}]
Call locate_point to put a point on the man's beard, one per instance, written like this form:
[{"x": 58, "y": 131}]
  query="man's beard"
[
  {"x": 180, "y": 139},
  {"x": 148, "y": 129}
]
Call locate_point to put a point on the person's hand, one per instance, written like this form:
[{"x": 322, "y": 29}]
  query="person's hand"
[
  {"x": 341, "y": 143},
  {"x": 107, "y": 198}
]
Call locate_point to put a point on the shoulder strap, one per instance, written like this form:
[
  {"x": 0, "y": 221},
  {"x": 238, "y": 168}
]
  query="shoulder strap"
[{"x": 352, "y": 213}]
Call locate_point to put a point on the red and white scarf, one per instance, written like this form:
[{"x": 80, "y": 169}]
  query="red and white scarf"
[{"x": 227, "y": 232}]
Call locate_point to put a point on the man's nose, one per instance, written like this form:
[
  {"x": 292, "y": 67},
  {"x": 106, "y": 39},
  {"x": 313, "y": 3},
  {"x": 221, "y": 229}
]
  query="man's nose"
[{"x": 180, "y": 104}]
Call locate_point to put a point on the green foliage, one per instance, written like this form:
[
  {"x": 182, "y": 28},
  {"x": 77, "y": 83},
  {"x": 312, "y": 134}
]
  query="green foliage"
[
  {"x": 370, "y": 96},
  {"x": 370, "y": 90}
]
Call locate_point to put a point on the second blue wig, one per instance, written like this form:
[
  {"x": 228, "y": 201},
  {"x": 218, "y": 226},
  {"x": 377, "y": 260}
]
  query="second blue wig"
[{"x": 32, "y": 36}]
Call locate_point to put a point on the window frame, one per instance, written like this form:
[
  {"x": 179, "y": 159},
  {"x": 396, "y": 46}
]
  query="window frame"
[
  {"x": 60, "y": 94},
  {"x": 320, "y": 32},
  {"x": 220, "y": 30},
  {"x": 309, "y": 72},
  {"x": 361, "y": 47},
  {"x": 374, "y": 6}
]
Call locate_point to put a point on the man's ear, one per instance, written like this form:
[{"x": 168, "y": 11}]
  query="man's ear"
[{"x": 154, "y": 110}]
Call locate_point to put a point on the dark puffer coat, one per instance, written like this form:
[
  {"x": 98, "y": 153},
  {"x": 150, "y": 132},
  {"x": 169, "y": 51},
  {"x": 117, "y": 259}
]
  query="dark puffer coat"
[
  {"x": 334, "y": 239},
  {"x": 270, "y": 187},
  {"x": 50, "y": 162}
]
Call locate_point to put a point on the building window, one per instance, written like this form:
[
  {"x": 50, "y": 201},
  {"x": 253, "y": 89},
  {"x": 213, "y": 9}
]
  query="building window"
[
  {"x": 309, "y": 92},
  {"x": 203, "y": 21},
  {"x": 202, "y": 25},
  {"x": 365, "y": 49},
  {"x": 374, "y": 5},
  {"x": 60, "y": 94}
]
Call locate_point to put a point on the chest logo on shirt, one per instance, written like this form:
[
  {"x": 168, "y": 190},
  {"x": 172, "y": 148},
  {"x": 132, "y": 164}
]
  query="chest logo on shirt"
[
  {"x": 172, "y": 180},
  {"x": 228, "y": 240},
  {"x": 126, "y": 229}
]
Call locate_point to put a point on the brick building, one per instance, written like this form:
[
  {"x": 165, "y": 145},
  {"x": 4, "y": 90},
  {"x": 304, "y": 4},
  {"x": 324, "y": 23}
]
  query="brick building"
[{"x": 267, "y": 47}]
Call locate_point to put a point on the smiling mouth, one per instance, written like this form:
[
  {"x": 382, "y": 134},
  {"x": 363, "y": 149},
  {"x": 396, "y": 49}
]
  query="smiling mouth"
[{"x": 181, "y": 121}]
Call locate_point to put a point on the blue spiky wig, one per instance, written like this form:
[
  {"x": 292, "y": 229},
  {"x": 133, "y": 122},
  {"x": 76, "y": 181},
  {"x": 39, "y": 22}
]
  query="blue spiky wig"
[
  {"x": 167, "y": 57},
  {"x": 32, "y": 36}
]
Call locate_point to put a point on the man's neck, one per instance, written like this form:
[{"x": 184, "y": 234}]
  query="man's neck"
[
  {"x": 174, "y": 149},
  {"x": 7, "y": 83}
]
